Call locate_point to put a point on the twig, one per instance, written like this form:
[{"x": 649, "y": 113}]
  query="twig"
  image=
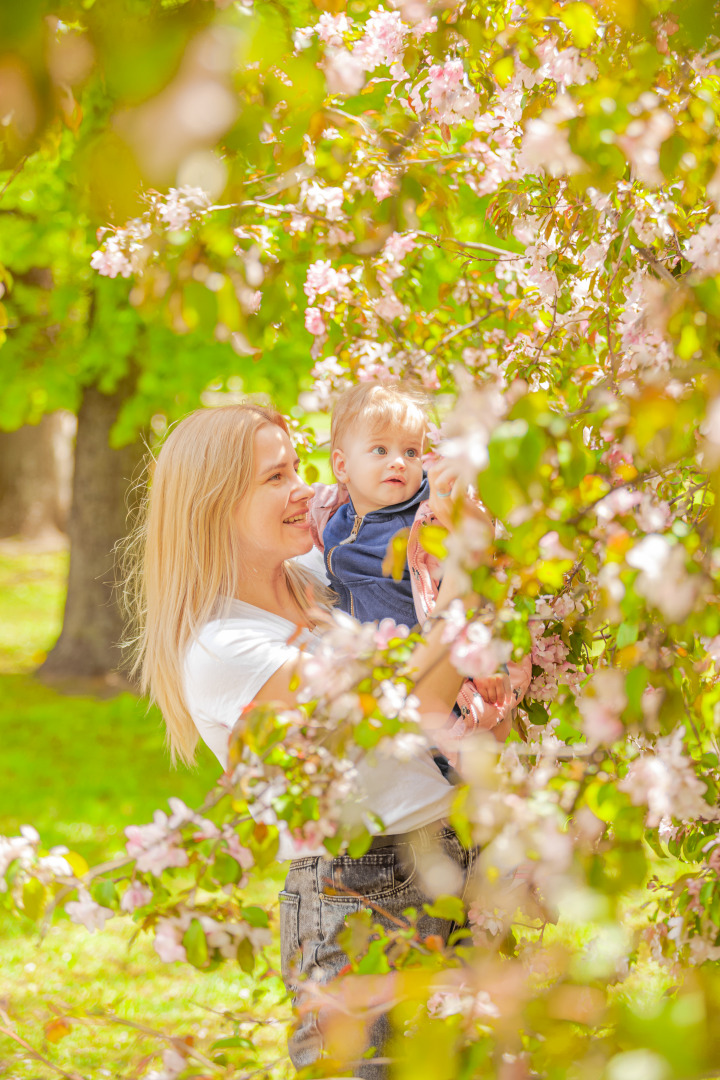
[
  {"x": 174, "y": 1040},
  {"x": 609, "y": 285},
  {"x": 470, "y": 245},
  {"x": 658, "y": 267},
  {"x": 462, "y": 329},
  {"x": 18, "y": 168},
  {"x": 36, "y": 1054}
]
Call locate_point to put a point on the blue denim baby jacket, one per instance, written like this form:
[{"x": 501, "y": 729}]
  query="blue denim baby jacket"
[{"x": 354, "y": 551}]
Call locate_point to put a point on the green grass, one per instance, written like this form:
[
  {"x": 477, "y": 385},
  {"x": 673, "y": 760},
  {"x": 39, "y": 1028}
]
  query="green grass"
[
  {"x": 80, "y": 768},
  {"x": 32, "y": 593}
]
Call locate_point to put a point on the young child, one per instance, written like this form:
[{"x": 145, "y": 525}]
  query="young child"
[{"x": 377, "y": 441}]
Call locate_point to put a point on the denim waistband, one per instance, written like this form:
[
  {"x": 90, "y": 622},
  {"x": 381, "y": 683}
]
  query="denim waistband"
[{"x": 422, "y": 838}]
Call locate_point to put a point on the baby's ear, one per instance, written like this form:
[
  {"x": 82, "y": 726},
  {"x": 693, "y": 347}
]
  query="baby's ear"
[{"x": 337, "y": 461}]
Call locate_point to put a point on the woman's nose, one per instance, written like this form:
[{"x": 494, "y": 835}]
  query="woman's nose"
[{"x": 302, "y": 490}]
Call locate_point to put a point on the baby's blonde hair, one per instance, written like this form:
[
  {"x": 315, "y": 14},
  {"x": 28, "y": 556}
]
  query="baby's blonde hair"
[
  {"x": 181, "y": 560},
  {"x": 378, "y": 404}
]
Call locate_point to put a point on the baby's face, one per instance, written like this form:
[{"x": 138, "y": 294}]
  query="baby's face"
[{"x": 381, "y": 467}]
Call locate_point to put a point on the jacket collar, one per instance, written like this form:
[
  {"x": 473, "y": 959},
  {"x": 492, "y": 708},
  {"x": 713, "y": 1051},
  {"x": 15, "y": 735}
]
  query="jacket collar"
[{"x": 412, "y": 503}]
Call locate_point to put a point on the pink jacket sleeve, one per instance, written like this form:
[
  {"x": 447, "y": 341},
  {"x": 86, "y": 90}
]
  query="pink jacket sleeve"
[
  {"x": 425, "y": 578},
  {"x": 326, "y": 499}
]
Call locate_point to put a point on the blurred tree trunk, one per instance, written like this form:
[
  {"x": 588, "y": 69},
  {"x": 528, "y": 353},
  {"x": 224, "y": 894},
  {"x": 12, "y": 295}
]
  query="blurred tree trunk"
[
  {"x": 33, "y": 485},
  {"x": 92, "y": 626}
]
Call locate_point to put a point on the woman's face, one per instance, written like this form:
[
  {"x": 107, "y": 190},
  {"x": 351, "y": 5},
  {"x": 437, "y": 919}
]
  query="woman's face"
[{"x": 272, "y": 521}]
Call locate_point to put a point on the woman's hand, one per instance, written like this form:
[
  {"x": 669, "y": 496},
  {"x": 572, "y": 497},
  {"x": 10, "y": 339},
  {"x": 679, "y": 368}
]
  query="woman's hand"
[{"x": 495, "y": 689}]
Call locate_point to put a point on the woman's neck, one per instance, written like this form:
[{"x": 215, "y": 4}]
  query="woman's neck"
[{"x": 270, "y": 591}]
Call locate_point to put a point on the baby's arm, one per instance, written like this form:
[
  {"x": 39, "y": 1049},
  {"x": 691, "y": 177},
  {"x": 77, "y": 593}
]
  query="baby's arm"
[{"x": 327, "y": 498}]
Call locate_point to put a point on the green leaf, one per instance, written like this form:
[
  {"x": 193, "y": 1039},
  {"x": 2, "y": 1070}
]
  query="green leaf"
[
  {"x": 447, "y": 907},
  {"x": 226, "y": 869},
  {"x": 104, "y": 893},
  {"x": 255, "y": 916},
  {"x": 375, "y": 962},
  {"x": 195, "y": 944},
  {"x": 537, "y": 713},
  {"x": 232, "y": 1041},
  {"x": 627, "y": 634},
  {"x": 246, "y": 956}
]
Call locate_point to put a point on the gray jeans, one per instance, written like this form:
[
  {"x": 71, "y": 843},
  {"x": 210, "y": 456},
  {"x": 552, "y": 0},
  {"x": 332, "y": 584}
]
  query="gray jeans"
[{"x": 317, "y": 898}]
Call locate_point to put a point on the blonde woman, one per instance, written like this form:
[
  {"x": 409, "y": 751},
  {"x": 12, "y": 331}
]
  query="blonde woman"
[{"x": 224, "y": 598}]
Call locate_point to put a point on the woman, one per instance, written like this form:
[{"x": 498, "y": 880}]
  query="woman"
[{"x": 222, "y": 592}]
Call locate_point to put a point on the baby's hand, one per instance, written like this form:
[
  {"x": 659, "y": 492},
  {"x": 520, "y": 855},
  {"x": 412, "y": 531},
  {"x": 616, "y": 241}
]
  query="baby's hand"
[
  {"x": 446, "y": 490},
  {"x": 495, "y": 689}
]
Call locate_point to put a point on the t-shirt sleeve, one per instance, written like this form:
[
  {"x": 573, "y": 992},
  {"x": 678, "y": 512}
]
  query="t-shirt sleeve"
[{"x": 224, "y": 671}]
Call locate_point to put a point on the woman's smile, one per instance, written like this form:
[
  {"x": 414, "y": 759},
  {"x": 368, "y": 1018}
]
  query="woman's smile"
[{"x": 299, "y": 519}]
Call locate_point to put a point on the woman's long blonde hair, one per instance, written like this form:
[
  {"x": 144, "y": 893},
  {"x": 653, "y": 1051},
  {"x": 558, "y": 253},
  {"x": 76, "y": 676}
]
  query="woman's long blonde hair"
[{"x": 181, "y": 559}]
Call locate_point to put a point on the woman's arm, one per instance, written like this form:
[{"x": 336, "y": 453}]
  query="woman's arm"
[{"x": 437, "y": 682}]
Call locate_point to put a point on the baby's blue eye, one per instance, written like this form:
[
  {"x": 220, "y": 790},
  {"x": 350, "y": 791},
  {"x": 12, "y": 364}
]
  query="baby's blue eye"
[
  {"x": 411, "y": 453},
  {"x": 378, "y": 450}
]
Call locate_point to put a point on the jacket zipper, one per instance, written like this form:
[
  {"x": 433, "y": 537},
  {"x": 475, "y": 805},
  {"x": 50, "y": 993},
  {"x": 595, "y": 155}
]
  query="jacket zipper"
[{"x": 348, "y": 540}]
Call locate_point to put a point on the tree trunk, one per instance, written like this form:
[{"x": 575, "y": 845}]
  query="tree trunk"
[
  {"x": 92, "y": 626},
  {"x": 34, "y": 478}
]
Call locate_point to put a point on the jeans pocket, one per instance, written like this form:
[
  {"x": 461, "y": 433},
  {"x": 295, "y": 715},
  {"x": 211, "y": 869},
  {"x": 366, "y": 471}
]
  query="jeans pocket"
[
  {"x": 329, "y": 956},
  {"x": 290, "y": 955},
  {"x": 369, "y": 876}
]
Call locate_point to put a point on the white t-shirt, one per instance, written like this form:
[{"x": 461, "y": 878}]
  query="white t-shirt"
[{"x": 230, "y": 662}]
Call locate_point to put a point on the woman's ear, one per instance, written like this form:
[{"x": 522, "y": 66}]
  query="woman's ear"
[{"x": 337, "y": 460}]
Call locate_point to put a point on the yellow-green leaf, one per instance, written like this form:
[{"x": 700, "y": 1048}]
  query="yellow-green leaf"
[
  {"x": 34, "y": 898},
  {"x": 78, "y": 864},
  {"x": 396, "y": 555},
  {"x": 503, "y": 70},
  {"x": 581, "y": 21},
  {"x": 432, "y": 538}
]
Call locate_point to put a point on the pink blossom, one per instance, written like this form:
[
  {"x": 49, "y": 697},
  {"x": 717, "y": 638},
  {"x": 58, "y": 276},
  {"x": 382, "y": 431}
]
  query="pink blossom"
[
  {"x": 314, "y": 322},
  {"x": 168, "y": 941},
  {"x": 666, "y": 782},
  {"x": 703, "y": 249},
  {"x": 449, "y": 94},
  {"x": 383, "y": 41},
  {"x": 563, "y": 66},
  {"x": 155, "y": 846},
  {"x": 344, "y": 72},
  {"x": 600, "y": 705},
  {"x": 328, "y": 201},
  {"x": 641, "y": 142},
  {"x": 383, "y": 185},
  {"x": 397, "y": 246},
  {"x": 111, "y": 261},
  {"x": 19, "y": 849},
  {"x": 476, "y": 654},
  {"x": 87, "y": 913},
  {"x": 302, "y": 37},
  {"x": 330, "y": 28},
  {"x": 135, "y": 896},
  {"x": 321, "y": 279},
  {"x": 550, "y": 653},
  {"x": 663, "y": 578},
  {"x": 242, "y": 855},
  {"x": 388, "y": 307},
  {"x": 387, "y": 631},
  {"x": 182, "y": 204}
]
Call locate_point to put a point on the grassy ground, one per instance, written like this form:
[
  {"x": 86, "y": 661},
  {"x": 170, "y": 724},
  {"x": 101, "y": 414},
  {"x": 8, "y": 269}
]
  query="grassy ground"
[{"x": 80, "y": 768}]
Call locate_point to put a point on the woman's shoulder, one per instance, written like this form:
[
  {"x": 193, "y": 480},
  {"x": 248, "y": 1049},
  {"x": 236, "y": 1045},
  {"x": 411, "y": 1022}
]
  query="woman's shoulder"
[{"x": 240, "y": 630}]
